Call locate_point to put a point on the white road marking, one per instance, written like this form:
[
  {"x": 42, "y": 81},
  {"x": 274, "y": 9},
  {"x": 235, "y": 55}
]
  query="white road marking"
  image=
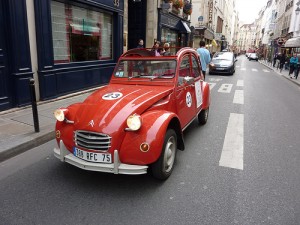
[
  {"x": 243, "y": 68},
  {"x": 266, "y": 71},
  {"x": 237, "y": 66},
  {"x": 211, "y": 85},
  {"x": 225, "y": 88},
  {"x": 215, "y": 79},
  {"x": 240, "y": 83},
  {"x": 233, "y": 148},
  {"x": 238, "y": 97},
  {"x": 255, "y": 70}
]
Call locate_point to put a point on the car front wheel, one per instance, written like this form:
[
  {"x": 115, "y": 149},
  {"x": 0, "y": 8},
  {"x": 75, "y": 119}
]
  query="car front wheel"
[
  {"x": 203, "y": 116},
  {"x": 163, "y": 167}
]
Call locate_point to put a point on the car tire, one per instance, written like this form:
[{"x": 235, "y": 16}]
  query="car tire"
[
  {"x": 163, "y": 167},
  {"x": 203, "y": 116}
]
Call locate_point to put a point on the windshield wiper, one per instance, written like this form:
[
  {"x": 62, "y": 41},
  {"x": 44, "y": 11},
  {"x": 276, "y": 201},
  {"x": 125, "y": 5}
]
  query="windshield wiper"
[{"x": 129, "y": 78}]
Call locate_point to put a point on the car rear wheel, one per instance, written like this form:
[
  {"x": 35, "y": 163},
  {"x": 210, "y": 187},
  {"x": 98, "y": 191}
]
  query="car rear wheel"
[
  {"x": 163, "y": 167},
  {"x": 203, "y": 116}
]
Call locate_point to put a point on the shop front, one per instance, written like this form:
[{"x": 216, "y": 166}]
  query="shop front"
[
  {"x": 173, "y": 29},
  {"x": 78, "y": 44},
  {"x": 15, "y": 63}
]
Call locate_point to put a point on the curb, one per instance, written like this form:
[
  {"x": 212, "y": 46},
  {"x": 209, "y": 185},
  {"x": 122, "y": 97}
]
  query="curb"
[{"x": 26, "y": 145}]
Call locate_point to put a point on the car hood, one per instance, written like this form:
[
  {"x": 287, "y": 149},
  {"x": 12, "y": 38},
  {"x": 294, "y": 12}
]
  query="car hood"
[
  {"x": 222, "y": 62},
  {"x": 107, "y": 109}
]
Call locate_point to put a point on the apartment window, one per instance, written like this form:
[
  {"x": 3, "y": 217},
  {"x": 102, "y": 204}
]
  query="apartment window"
[{"x": 80, "y": 34}]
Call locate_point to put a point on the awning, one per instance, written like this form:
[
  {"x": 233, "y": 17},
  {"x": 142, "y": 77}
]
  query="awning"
[
  {"x": 293, "y": 43},
  {"x": 83, "y": 29},
  {"x": 183, "y": 27}
]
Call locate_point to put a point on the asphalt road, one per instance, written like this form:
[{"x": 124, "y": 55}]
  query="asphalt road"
[{"x": 256, "y": 113}]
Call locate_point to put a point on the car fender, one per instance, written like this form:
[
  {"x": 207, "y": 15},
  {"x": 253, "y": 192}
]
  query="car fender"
[
  {"x": 154, "y": 126},
  {"x": 206, "y": 95}
]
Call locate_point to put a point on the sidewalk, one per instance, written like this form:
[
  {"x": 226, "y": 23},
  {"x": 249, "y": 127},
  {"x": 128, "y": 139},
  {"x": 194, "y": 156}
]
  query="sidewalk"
[
  {"x": 17, "y": 133},
  {"x": 284, "y": 73}
]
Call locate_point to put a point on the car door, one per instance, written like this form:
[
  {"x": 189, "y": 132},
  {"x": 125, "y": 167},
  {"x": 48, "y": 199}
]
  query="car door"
[
  {"x": 185, "y": 92},
  {"x": 198, "y": 78}
]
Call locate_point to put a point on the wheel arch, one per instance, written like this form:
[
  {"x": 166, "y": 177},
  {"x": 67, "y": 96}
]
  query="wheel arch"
[{"x": 175, "y": 125}]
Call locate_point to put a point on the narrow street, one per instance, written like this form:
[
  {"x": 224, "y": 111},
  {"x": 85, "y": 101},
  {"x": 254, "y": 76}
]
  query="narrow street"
[{"x": 255, "y": 112}]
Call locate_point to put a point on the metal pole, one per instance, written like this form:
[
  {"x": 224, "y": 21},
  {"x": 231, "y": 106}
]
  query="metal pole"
[{"x": 34, "y": 106}]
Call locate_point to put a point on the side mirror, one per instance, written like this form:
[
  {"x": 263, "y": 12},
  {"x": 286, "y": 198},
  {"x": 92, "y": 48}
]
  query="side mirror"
[{"x": 189, "y": 80}]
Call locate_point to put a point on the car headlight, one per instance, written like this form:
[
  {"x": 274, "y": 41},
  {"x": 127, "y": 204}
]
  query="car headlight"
[
  {"x": 134, "y": 122},
  {"x": 60, "y": 114}
]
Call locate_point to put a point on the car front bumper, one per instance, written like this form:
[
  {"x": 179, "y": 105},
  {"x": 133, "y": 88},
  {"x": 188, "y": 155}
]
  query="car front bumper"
[
  {"x": 116, "y": 167},
  {"x": 221, "y": 70}
]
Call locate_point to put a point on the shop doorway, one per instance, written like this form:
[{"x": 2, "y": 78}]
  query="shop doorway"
[
  {"x": 5, "y": 96},
  {"x": 137, "y": 12}
]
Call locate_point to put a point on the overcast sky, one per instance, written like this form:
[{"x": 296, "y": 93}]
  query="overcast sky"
[{"x": 248, "y": 9}]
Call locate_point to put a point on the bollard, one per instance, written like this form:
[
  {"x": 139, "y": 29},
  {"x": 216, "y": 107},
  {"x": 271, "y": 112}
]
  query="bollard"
[{"x": 34, "y": 106}]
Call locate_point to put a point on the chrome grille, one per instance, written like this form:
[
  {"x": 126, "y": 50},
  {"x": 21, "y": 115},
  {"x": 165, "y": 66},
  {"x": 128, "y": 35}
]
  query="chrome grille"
[{"x": 92, "y": 140}]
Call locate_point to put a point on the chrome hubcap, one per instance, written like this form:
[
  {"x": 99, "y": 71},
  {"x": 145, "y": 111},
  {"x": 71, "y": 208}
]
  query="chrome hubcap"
[{"x": 169, "y": 155}]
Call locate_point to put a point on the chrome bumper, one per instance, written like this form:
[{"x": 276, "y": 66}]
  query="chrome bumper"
[{"x": 116, "y": 167}]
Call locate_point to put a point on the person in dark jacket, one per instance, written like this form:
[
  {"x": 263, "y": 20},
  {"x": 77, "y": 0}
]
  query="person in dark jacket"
[
  {"x": 282, "y": 61},
  {"x": 141, "y": 44}
]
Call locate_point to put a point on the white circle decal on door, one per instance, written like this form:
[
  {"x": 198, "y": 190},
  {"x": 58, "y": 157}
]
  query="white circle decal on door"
[{"x": 188, "y": 99}]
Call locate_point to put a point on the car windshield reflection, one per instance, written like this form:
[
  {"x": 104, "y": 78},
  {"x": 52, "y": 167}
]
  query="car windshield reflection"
[
  {"x": 152, "y": 69},
  {"x": 223, "y": 56}
]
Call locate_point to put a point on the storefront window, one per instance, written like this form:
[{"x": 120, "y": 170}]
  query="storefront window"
[
  {"x": 171, "y": 37},
  {"x": 80, "y": 34}
]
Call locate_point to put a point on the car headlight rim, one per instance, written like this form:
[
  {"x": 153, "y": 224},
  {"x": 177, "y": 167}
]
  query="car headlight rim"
[
  {"x": 60, "y": 114},
  {"x": 134, "y": 122}
]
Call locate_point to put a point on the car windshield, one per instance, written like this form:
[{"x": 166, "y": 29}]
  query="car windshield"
[
  {"x": 152, "y": 69},
  {"x": 223, "y": 56}
]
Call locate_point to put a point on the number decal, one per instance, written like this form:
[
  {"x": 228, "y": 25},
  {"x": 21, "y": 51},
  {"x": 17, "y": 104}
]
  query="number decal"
[
  {"x": 112, "y": 96},
  {"x": 188, "y": 99}
]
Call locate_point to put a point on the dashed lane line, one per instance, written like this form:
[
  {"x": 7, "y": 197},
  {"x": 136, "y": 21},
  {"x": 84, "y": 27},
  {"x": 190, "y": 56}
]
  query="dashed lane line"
[
  {"x": 238, "y": 97},
  {"x": 232, "y": 155},
  {"x": 225, "y": 88},
  {"x": 240, "y": 83}
]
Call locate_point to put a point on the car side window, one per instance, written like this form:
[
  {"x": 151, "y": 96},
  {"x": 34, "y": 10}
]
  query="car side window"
[
  {"x": 195, "y": 68},
  {"x": 184, "y": 69}
]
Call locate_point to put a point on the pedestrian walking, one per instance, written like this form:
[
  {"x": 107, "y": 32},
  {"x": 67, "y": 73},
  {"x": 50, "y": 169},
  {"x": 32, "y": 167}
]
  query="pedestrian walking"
[
  {"x": 296, "y": 70},
  {"x": 204, "y": 57},
  {"x": 287, "y": 62},
  {"x": 140, "y": 44},
  {"x": 282, "y": 62},
  {"x": 278, "y": 60},
  {"x": 293, "y": 64},
  {"x": 274, "y": 60}
]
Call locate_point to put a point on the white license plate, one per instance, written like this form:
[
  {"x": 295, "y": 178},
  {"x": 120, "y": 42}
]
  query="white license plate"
[
  {"x": 220, "y": 68},
  {"x": 92, "y": 156}
]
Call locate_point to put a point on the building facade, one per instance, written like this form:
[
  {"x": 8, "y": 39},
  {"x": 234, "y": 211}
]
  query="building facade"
[
  {"x": 15, "y": 62},
  {"x": 66, "y": 46}
]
